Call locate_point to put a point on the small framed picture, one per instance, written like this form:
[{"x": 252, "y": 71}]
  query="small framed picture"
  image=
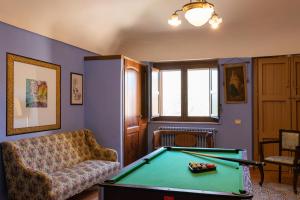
[
  {"x": 33, "y": 95},
  {"x": 76, "y": 89},
  {"x": 235, "y": 83}
]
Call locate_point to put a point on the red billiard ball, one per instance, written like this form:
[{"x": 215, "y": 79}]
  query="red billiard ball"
[{"x": 209, "y": 166}]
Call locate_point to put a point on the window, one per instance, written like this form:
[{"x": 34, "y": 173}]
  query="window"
[
  {"x": 170, "y": 92},
  {"x": 185, "y": 91}
]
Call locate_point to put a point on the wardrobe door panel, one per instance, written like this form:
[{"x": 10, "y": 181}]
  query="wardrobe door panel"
[
  {"x": 296, "y": 92},
  {"x": 273, "y": 101}
]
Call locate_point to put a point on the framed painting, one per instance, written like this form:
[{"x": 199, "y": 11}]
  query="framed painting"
[
  {"x": 76, "y": 89},
  {"x": 235, "y": 83},
  {"x": 33, "y": 95}
]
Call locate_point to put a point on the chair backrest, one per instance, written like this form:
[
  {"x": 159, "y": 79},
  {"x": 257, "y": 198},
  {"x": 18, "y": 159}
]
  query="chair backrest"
[
  {"x": 289, "y": 139},
  {"x": 185, "y": 140}
]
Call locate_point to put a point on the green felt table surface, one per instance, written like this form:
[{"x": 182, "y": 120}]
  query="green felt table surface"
[{"x": 169, "y": 168}]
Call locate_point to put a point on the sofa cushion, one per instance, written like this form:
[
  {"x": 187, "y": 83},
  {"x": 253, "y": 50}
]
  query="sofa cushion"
[
  {"x": 55, "y": 152},
  {"x": 75, "y": 179}
]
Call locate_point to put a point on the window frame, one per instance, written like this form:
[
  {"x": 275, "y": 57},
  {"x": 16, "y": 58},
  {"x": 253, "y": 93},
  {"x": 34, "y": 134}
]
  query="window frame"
[{"x": 184, "y": 66}]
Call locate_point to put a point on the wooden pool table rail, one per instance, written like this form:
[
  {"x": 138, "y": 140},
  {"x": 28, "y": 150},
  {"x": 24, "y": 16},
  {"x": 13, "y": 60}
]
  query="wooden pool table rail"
[{"x": 114, "y": 191}]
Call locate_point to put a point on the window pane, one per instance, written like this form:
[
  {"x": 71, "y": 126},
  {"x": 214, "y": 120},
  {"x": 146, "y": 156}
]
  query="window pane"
[
  {"x": 198, "y": 92},
  {"x": 214, "y": 93},
  {"x": 155, "y": 92},
  {"x": 171, "y": 92}
]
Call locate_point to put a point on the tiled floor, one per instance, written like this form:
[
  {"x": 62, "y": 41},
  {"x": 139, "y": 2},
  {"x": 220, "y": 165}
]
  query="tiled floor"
[{"x": 283, "y": 189}]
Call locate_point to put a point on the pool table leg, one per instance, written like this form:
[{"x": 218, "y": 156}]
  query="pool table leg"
[{"x": 262, "y": 175}]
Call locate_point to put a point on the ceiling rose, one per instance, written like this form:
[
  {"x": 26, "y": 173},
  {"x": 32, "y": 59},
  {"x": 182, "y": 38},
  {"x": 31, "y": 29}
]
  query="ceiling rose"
[{"x": 197, "y": 13}]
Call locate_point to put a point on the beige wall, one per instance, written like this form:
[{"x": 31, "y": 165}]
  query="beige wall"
[{"x": 247, "y": 42}]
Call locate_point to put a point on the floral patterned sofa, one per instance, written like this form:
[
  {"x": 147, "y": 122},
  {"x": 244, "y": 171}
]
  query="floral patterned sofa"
[{"x": 57, "y": 166}]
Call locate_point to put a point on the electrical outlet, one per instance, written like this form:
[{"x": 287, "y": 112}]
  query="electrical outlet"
[{"x": 238, "y": 121}]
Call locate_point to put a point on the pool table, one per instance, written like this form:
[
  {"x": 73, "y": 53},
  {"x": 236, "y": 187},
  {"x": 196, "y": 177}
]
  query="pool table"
[{"x": 164, "y": 175}]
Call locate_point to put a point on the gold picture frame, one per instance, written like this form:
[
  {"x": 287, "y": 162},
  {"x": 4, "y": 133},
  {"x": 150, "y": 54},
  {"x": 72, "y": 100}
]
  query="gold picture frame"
[
  {"x": 33, "y": 99},
  {"x": 235, "y": 83}
]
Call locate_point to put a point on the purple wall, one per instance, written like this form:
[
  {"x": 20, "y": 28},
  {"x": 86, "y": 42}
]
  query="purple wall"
[
  {"x": 21, "y": 42},
  {"x": 103, "y": 105},
  {"x": 229, "y": 134}
]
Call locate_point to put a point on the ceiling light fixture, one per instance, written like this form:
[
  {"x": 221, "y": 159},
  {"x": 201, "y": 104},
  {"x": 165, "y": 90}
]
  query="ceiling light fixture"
[
  {"x": 197, "y": 13},
  {"x": 174, "y": 21},
  {"x": 215, "y": 21}
]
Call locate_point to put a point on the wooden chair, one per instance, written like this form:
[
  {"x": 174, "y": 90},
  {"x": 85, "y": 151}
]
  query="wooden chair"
[
  {"x": 289, "y": 140},
  {"x": 185, "y": 140},
  {"x": 199, "y": 139}
]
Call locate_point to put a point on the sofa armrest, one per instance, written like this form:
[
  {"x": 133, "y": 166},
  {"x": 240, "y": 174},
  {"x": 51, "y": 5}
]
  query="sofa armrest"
[
  {"x": 102, "y": 153},
  {"x": 22, "y": 180},
  {"x": 38, "y": 180},
  {"x": 99, "y": 152}
]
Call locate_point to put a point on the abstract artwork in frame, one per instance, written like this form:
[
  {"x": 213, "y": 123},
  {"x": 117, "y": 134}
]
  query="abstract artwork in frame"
[
  {"x": 33, "y": 95},
  {"x": 235, "y": 83},
  {"x": 76, "y": 89}
]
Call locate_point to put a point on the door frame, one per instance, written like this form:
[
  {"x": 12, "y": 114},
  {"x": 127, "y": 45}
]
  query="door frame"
[{"x": 123, "y": 66}]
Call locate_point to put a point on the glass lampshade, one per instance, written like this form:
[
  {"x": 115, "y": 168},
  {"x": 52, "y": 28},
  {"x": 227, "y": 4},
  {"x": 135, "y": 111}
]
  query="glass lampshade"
[
  {"x": 198, "y": 13},
  {"x": 174, "y": 21},
  {"x": 215, "y": 21}
]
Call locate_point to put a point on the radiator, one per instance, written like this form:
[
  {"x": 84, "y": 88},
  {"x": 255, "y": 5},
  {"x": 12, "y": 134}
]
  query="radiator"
[{"x": 165, "y": 136}]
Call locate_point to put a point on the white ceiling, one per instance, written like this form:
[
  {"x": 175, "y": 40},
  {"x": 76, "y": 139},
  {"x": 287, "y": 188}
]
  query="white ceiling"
[{"x": 139, "y": 29}]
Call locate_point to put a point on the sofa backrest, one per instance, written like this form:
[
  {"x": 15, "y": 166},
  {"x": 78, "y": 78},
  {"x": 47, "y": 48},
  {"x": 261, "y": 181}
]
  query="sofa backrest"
[{"x": 53, "y": 152}]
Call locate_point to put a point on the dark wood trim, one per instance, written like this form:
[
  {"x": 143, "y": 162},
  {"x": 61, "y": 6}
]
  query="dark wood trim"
[
  {"x": 187, "y": 64},
  {"x": 255, "y": 139},
  {"x": 184, "y": 119},
  {"x": 113, "y": 57},
  {"x": 184, "y": 94},
  {"x": 134, "y": 61},
  {"x": 133, "y": 192},
  {"x": 71, "y": 103},
  {"x": 108, "y": 57},
  {"x": 277, "y": 56}
]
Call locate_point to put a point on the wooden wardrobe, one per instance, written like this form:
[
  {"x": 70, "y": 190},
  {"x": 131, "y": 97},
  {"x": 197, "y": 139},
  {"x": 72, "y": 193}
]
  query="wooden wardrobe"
[{"x": 276, "y": 98}]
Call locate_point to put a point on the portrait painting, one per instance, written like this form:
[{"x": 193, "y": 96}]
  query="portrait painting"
[{"x": 235, "y": 83}]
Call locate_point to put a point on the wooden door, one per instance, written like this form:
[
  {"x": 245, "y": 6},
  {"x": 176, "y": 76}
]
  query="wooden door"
[
  {"x": 296, "y": 92},
  {"x": 135, "y": 124},
  {"x": 273, "y": 101}
]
